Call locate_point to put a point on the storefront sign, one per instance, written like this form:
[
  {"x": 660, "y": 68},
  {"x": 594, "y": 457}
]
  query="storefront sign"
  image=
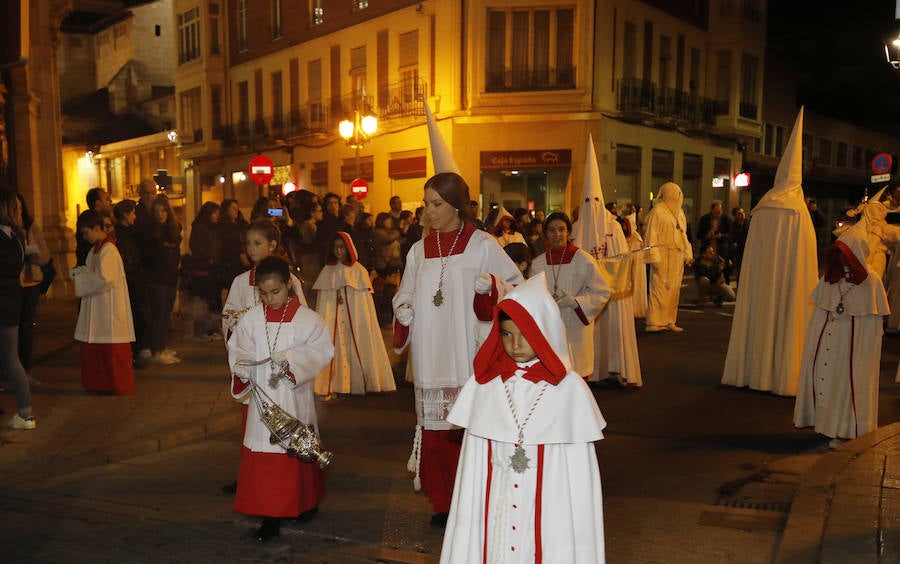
[{"x": 551, "y": 158}]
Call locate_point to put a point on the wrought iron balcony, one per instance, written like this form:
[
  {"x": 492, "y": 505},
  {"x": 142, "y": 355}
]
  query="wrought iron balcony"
[
  {"x": 644, "y": 100},
  {"x": 402, "y": 99}
]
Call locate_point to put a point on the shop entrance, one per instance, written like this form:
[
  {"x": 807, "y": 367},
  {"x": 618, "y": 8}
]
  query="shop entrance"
[{"x": 534, "y": 180}]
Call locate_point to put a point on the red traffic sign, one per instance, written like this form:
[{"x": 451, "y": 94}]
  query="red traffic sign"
[
  {"x": 882, "y": 163},
  {"x": 359, "y": 188},
  {"x": 261, "y": 169}
]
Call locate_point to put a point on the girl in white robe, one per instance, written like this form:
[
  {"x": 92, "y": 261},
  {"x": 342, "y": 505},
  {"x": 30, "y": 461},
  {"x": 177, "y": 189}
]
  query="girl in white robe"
[
  {"x": 344, "y": 301},
  {"x": 278, "y": 346},
  {"x": 838, "y": 391},
  {"x": 528, "y": 485},
  {"x": 577, "y": 285}
]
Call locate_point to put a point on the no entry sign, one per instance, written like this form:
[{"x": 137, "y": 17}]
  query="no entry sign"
[
  {"x": 261, "y": 169},
  {"x": 359, "y": 188}
]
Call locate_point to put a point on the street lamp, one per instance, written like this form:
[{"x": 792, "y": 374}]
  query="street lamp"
[{"x": 358, "y": 131}]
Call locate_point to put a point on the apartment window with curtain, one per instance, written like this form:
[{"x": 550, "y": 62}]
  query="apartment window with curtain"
[
  {"x": 530, "y": 49},
  {"x": 665, "y": 60},
  {"x": 409, "y": 66},
  {"x": 276, "y": 19},
  {"x": 189, "y": 36},
  {"x": 807, "y": 141},
  {"x": 358, "y": 76},
  {"x": 723, "y": 82},
  {"x": 314, "y": 91},
  {"x": 243, "y": 106},
  {"x": 215, "y": 46},
  {"x": 749, "y": 72},
  {"x": 242, "y": 24},
  {"x": 629, "y": 48},
  {"x": 825, "y": 151},
  {"x": 277, "y": 101},
  {"x": 190, "y": 116},
  {"x": 856, "y": 161},
  {"x": 840, "y": 158}
]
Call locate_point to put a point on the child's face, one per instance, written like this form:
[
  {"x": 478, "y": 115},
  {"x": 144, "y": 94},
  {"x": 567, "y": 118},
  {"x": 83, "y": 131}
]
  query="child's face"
[
  {"x": 160, "y": 214},
  {"x": 258, "y": 247},
  {"x": 557, "y": 233},
  {"x": 340, "y": 250},
  {"x": 93, "y": 234},
  {"x": 128, "y": 219},
  {"x": 523, "y": 267},
  {"x": 514, "y": 342},
  {"x": 273, "y": 292}
]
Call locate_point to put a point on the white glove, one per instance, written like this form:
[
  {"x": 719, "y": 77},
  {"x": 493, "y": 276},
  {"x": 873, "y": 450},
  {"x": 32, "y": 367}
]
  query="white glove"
[
  {"x": 484, "y": 283},
  {"x": 241, "y": 371},
  {"x": 76, "y": 271},
  {"x": 404, "y": 315},
  {"x": 566, "y": 300},
  {"x": 280, "y": 357}
]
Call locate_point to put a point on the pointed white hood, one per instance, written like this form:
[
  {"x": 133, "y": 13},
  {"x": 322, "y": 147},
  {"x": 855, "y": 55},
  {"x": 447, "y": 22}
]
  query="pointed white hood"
[
  {"x": 594, "y": 220},
  {"x": 441, "y": 156},
  {"x": 787, "y": 190}
]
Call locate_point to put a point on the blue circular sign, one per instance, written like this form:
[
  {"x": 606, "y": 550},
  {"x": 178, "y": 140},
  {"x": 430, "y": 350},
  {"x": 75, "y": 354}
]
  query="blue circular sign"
[{"x": 882, "y": 163}]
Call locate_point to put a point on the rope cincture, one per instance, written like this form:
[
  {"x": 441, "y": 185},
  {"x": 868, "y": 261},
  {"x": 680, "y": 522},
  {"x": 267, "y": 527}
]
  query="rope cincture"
[{"x": 415, "y": 459}]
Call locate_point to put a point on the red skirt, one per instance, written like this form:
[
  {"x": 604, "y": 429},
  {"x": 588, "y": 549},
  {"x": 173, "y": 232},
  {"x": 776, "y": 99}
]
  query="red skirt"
[
  {"x": 277, "y": 485},
  {"x": 107, "y": 367},
  {"x": 437, "y": 469}
]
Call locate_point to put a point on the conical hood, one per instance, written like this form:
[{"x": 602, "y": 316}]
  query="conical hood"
[
  {"x": 590, "y": 230},
  {"x": 441, "y": 156},
  {"x": 787, "y": 190}
]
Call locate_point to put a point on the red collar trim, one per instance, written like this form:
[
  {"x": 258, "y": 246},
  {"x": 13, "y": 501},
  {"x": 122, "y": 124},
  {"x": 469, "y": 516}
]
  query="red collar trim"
[
  {"x": 431, "y": 249},
  {"x": 492, "y": 361},
  {"x": 855, "y": 271},
  {"x": 274, "y": 315},
  {"x": 561, "y": 256},
  {"x": 99, "y": 244},
  {"x": 252, "y": 279}
]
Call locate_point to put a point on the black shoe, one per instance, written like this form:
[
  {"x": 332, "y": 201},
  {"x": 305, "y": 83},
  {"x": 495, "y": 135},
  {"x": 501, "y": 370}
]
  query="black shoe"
[
  {"x": 439, "y": 519},
  {"x": 271, "y": 527},
  {"x": 230, "y": 489},
  {"x": 307, "y": 515}
]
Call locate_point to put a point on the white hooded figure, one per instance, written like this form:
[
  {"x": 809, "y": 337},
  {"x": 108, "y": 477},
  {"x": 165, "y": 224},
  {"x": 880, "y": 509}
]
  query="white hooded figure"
[
  {"x": 665, "y": 229},
  {"x": 879, "y": 234},
  {"x": 528, "y": 485},
  {"x": 838, "y": 391},
  {"x": 778, "y": 274},
  {"x": 599, "y": 234}
]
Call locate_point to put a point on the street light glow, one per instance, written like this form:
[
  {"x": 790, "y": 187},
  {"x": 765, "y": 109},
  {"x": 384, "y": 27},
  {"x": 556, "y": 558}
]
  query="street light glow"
[
  {"x": 346, "y": 129},
  {"x": 369, "y": 124}
]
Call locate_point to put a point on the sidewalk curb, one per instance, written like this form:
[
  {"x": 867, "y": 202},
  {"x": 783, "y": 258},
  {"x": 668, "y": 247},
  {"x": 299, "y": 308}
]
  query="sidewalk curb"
[
  {"x": 805, "y": 531},
  {"x": 215, "y": 425}
]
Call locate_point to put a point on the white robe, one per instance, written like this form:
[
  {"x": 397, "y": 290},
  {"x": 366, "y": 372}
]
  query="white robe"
[
  {"x": 360, "y": 364},
  {"x": 583, "y": 280},
  {"x": 442, "y": 339},
  {"x": 838, "y": 389},
  {"x": 242, "y": 295},
  {"x": 306, "y": 342},
  {"x": 639, "y": 272},
  {"x": 564, "y": 483},
  {"x": 105, "y": 312},
  {"x": 665, "y": 232}
]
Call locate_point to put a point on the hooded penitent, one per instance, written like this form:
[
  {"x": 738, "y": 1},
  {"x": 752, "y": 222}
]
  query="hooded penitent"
[
  {"x": 550, "y": 510},
  {"x": 778, "y": 274},
  {"x": 838, "y": 388},
  {"x": 599, "y": 234}
]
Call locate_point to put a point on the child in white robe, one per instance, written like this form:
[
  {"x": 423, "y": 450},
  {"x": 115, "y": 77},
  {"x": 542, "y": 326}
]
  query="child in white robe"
[
  {"x": 278, "y": 346},
  {"x": 528, "y": 484},
  {"x": 344, "y": 301}
]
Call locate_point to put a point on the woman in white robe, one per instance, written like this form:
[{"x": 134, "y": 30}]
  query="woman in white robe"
[
  {"x": 344, "y": 300},
  {"x": 452, "y": 279},
  {"x": 548, "y": 505},
  {"x": 838, "y": 391},
  {"x": 577, "y": 285}
]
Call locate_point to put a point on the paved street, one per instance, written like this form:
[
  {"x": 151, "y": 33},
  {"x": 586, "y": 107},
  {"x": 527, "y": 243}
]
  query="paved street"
[{"x": 692, "y": 471}]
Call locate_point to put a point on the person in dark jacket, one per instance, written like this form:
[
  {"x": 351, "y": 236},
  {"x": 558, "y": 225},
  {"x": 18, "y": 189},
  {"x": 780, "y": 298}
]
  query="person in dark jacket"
[
  {"x": 129, "y": 245},
  {"x": 161, "y": 256},
  {"x": 200, "y": 279},
  {"x": 230, "y": 231}
]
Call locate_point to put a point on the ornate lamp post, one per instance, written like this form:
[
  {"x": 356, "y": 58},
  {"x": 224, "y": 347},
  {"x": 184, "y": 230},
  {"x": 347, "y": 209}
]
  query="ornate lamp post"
[{"x": 358, "y": 131}]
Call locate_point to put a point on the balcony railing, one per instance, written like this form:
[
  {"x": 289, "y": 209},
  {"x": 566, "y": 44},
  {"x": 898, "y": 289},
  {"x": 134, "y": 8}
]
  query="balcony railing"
[
  {"x": 519, "y": 79},
  {"x": 638, "y": 96},
  {"x": 402, "y": 99}
]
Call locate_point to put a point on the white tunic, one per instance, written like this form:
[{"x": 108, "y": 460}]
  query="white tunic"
[
  {"x": 666, "y": 233},
  {"x": 105, "y": 312},
  {"x": 306, "y": 343},
  {"x": 243, "y": 295},
  {"x": 360, "y": 364},
  {"x": 580, "y": 277},
  {"x": 442, "y": 339}
]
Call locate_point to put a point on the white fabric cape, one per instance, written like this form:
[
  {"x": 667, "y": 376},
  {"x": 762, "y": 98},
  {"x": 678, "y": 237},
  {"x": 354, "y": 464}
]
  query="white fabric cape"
[
  {"x": 442, "y": 339},
  {"x": 360, "y": 361},
  {"x": 583, "y": 280},
  {"x": 635, "y": 243},
  {"x": 105, "y": 312},
  {"x": 306, "y": 342},
  {"x": 664, "y": 229},
  {"x": 560, "y": 489}
]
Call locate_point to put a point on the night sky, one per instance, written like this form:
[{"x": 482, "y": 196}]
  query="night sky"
[{"x": 838, "y": 56}]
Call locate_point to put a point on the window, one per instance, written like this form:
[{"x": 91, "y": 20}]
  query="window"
[
  {"x": 841, "y": 156},
  {"x": 694, "y": 84},
  {"x": 807, "y": 141},
  {"x": 189, "y": 36},
  {"x": 723, "y": 82},
  {"x": 216, "y": 110},
  {"x": 629, "y": 48},
  {"x": 214, "y": 45},
  {"x": 276, "y": 19},
  {"x": 857, "y": 158},
  {"x": 358, "y": 72},
  {"x": 665, "y": 57},
  {"x": 316, "y": 12},
  {"x": 530, "y": 49},
  {"x": 314, "y": 92},
  {"x": 769, "y": 135},
  {"x": 192, "y": 131},
  {"x": 779, "y": 140},
  {"x": 749, "y": 72},
  {"x": 242, "y": 24},
  {"x": 243, "y": 106},
  {"x": 825, "y": 151},
  {"x": 277, "y": 100}
]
